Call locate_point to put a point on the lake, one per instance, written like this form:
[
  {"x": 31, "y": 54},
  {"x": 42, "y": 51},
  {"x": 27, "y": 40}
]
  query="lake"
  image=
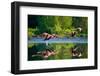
[
  {"x": 59, "y": 40},
  {"x": 62, "y": 47}
]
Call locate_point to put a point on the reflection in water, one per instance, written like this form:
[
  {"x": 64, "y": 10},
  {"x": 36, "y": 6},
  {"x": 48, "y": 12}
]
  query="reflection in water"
[{"x": 55, "y": 51}]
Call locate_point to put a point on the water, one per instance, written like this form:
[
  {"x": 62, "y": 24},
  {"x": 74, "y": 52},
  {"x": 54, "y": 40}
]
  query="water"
[
  {"x": 59, "y": 40},
  {"x": 61, "y": 50},
  {"x": 61, "y": 46}
]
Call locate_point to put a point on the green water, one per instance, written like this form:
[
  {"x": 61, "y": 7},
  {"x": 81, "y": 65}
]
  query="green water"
[{"x": 62, "y": 51}]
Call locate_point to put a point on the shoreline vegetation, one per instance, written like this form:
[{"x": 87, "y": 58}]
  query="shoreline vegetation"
[
  {"x": 50, "y": 27},
  {"x": 63, "y": 26},
  {"x": 47, "y": 36}
]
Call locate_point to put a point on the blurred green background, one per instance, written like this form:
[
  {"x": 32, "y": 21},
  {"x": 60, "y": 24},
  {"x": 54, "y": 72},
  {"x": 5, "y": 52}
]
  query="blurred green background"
[{"x": 60, "y": 25}]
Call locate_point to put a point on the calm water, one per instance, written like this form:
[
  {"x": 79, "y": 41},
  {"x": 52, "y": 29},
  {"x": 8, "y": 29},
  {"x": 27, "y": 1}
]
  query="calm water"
[
  {"x": 59, "y": 40},
  {"x": 62, "y": 47}
]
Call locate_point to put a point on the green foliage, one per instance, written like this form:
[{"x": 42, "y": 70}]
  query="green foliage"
[
  {"x": 84, "y": 25},
  {"x": 60, "y": 25},
  {"x": 81, "y": 22},
  {"x": 32, "y": 32}
]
